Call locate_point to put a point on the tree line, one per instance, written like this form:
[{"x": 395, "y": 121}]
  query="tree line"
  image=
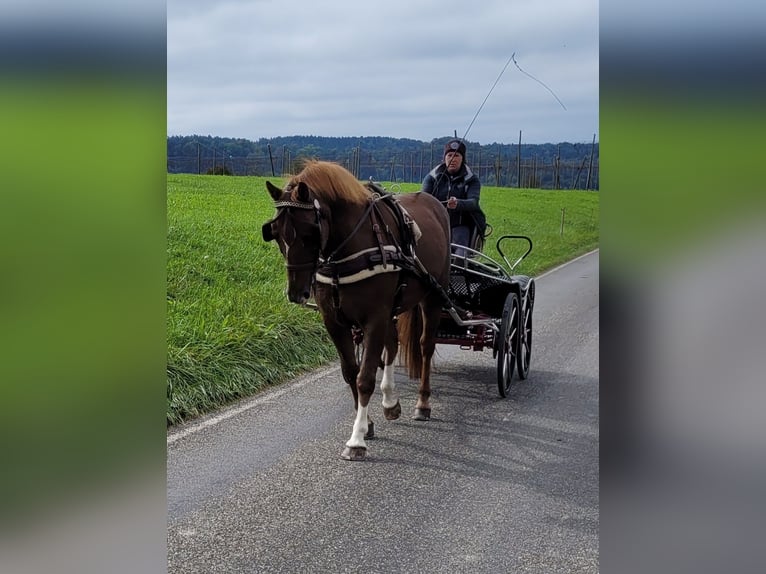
[{"x": 562, "y": 165}]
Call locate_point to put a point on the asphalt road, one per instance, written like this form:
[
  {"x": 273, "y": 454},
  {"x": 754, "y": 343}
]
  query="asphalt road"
[{"x": 487, "y": 485}]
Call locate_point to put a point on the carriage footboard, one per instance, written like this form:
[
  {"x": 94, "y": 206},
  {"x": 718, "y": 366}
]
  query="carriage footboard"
[{"x": 470, "y": 322}]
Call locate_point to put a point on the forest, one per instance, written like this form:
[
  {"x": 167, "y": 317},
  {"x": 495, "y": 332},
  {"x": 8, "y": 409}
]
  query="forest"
[{"x": 561, "y": 165}]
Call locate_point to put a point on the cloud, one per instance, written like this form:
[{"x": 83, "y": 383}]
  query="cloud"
[{"x": 400, "y": 69}]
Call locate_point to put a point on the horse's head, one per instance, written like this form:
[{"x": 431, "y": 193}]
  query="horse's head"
[{"x": 297, "y": 229}]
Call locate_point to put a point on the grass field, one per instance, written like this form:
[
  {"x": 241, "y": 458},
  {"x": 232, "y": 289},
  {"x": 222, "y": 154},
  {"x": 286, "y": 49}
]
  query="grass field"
[{"x": 230, "y": 328}]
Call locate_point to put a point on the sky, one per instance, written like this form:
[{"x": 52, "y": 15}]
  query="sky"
[{"x": 405, "y": 69}]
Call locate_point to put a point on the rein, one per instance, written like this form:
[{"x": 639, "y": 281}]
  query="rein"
[{"x": 357, "y": 227}]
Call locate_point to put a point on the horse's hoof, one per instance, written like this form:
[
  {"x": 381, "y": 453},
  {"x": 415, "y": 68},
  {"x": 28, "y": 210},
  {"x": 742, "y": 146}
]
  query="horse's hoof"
[
  {"x": 370, "y": 431},
  {"x": 422, "y": 414},
  {"x": 354, "y": 453},
  {"x": 392, "y": 413}
]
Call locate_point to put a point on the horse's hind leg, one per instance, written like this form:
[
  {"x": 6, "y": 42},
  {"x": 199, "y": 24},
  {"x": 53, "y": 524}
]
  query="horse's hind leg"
[
  {"x": 431, "y": 318},
  {"x": 391, "y": 407}
]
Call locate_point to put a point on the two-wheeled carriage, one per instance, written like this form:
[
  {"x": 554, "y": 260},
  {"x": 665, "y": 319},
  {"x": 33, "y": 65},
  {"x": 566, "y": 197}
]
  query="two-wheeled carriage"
[{"x": 491, "y": 308}]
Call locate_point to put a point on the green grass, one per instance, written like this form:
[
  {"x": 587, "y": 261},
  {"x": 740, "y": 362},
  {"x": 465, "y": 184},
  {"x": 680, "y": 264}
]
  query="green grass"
[{"x": 230, "y": 328}]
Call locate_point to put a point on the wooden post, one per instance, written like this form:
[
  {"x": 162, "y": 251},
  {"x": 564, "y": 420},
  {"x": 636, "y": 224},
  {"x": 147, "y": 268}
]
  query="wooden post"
[
  {"x": 478, "y": 162},
  {"x": 271, "y": 159},
  {"x": 563, "y": 211},
  {"x": 577, "y": 179},
  {"x": 590, "y": 166},
  {"x": 432, "y": 156},
  {"x": 518, "y": 161}
]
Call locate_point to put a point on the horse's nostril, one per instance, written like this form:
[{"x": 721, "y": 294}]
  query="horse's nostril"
[{"x": 306, "y": 295}]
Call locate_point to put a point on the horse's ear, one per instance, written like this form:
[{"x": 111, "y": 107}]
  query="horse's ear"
[
  {"x": 274, "y": 191},
  {"x": 302, "y": 193}
]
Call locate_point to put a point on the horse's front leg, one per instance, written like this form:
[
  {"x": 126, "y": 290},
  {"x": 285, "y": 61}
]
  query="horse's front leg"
[
  {"x": 391, "y": 407},
  {"x": 343, "y": 340},
  {"x": 356, "y": 447}
]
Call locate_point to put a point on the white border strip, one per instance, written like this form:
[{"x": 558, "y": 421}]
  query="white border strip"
[{"x": 249, "y": 404}]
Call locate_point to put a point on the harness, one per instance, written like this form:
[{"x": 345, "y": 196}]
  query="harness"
[{"x": 387, "y": 256}]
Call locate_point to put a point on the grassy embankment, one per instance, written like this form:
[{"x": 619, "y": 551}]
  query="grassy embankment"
[{"x": 231, "y": 331}]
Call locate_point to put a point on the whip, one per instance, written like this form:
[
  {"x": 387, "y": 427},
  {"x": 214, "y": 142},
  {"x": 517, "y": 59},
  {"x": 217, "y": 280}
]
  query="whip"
[{"x": 500, "y": 75}]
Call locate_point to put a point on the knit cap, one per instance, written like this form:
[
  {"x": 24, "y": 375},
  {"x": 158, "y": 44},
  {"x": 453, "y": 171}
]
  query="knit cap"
[{"x": 455, "y": 145}]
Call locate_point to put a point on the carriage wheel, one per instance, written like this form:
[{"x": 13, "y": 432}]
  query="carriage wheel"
[
  {"x": 525, "y": 344},
  {"x": 509, "y": 344}
]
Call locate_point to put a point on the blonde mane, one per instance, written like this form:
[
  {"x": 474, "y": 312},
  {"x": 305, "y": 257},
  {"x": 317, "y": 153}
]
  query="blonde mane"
[{"x": 331, "y": 182}]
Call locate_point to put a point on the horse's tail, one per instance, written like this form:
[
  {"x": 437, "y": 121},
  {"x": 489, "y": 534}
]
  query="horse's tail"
[{"x": 410, "y": 328}]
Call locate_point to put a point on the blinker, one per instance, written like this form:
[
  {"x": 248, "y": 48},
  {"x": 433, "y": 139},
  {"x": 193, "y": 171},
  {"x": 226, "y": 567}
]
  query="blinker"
[{"x": 266, "y": 231}]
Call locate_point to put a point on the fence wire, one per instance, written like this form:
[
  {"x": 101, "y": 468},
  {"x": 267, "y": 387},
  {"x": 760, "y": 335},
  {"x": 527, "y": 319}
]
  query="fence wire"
[{"x": 496, "y": 171}]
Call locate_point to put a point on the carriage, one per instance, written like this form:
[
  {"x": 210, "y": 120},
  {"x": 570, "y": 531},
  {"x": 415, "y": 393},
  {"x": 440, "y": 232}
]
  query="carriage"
[{"x": 491, "y": 308}]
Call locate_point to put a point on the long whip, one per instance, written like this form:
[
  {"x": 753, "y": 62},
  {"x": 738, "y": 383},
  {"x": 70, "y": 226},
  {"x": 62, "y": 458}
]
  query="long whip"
[
  {"x": 487, "y": 97},
  {"x": 500, "y": 75},
  {"x": 536, "y": 80}
]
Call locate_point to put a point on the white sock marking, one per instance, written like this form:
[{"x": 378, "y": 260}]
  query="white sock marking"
[
  {"x": 360, "y": 429},
  {"x": 388, "y": 387}
]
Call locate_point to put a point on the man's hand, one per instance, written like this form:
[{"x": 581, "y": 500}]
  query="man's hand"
[{"x": 452, "y": 203}]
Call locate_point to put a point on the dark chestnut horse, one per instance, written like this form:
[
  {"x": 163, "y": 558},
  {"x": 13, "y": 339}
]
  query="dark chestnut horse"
[{"x": 376, "y": 264}]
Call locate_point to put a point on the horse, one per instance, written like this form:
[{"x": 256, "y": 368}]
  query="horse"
[{"x": 376, "y": 264}]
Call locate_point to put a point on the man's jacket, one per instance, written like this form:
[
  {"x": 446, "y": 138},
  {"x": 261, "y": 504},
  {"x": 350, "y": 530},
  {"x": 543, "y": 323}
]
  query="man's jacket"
[{"x": 466, "y": 187}]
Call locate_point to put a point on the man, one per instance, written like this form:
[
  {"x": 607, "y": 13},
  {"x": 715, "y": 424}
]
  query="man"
[{"x": 458, "y": 188}]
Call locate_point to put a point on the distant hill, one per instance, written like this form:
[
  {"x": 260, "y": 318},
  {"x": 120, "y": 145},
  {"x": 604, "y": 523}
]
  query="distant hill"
[{"x": 388, "y": 159}]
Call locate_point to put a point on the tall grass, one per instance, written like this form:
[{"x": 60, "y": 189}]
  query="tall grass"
[{"x": 230, "y": 328}]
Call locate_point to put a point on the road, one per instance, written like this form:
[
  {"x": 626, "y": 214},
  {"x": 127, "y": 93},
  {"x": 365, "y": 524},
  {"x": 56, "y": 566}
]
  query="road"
[{"x": 487, "y": 485}]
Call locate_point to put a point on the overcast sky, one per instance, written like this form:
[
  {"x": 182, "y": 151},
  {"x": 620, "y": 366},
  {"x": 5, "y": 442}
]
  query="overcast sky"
[{"x": 415, "y": 69}]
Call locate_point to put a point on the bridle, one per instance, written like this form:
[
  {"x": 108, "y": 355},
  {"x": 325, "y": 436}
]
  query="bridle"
[{"x": 313, "y": 206}]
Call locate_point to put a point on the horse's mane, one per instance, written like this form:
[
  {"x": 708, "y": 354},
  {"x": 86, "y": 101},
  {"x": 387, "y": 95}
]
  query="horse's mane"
[{"x": 331, "y": 182}]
